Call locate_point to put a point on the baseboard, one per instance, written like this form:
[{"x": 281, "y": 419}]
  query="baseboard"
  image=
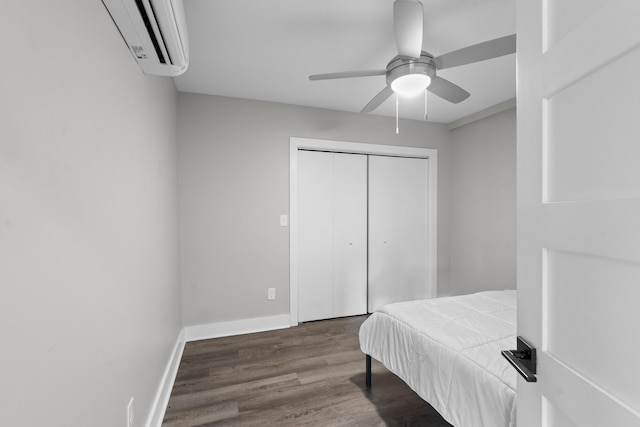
[
  {"x": 202, "y": 332},
  {"x": 236, "y": 327},
  {"x": 159, "y": 406}
]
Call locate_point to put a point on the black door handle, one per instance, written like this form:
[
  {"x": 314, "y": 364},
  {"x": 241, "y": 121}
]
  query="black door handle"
[{"x": 523, "y": 359}]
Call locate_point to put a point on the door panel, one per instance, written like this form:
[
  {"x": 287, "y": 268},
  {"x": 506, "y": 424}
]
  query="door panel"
[
  {"x": 582, "y": 338},
  {"x": 397, "y": 230},
  {"x": 578, "y": 210},
  {"x": 555, "y": 417},
  {"x": 563, "y": 17},
  {"x": 332, "y": 263},
  {"x": 315, "y": 231},
  {"x": 589, "y": 159},
  {"x": 350, "y": 235}
]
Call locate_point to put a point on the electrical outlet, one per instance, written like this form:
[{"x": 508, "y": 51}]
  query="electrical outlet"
[
  {"x": 130, "y": 413},
  {"x": 271, "y": 293}
]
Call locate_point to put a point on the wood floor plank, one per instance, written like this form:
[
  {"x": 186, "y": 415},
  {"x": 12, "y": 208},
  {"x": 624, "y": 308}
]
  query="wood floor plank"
[
  {"x": 309, "y": 375},
  {"x": 223, "y": 376},
  {"x": 234, "y": 392},
  {"x": 202, "y": 415}
]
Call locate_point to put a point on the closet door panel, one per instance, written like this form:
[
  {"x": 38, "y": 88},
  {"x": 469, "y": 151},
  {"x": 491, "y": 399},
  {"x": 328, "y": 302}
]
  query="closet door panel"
[
  {"x": 315, "y": 230},
  {"x": 350, "y": 234},
  {"x": 397, "y": 230}
]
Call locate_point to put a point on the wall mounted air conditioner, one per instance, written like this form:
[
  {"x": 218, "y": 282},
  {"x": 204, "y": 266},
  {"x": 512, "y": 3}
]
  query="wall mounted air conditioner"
[{"x": 155, "y": 32}]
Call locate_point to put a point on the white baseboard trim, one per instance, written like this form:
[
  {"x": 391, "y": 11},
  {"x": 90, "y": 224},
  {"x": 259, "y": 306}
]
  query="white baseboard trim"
[
  {"x": 161, "y": 400},
  {"x": 203, "y": 332},
  {"x": 236, "y": 327}
]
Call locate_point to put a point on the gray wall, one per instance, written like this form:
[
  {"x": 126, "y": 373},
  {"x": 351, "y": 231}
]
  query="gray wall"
[
  {"x": 234, "y": 184},
  {"x": 483, "y": 205},
  {"x": 89, "y": 306}
]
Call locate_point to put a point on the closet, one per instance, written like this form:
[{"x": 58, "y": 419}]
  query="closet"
[{"x": 362, "y": 232}]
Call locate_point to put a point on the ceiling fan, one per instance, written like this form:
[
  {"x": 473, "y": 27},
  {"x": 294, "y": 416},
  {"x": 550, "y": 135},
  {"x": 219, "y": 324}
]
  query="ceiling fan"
[{"x": 413, "y": 70}]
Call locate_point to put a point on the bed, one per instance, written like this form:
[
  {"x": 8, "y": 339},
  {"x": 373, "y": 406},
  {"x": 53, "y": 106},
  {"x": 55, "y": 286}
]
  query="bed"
[{"x": 448, "y": 351}]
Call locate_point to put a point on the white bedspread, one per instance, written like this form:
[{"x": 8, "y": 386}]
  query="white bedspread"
[{"x": 448, "y": 351}]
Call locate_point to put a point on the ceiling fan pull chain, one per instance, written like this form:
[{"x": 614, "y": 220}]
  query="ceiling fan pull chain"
[
  {"x": 425, "y": 105},
  {"x": 397, "y": 126}
]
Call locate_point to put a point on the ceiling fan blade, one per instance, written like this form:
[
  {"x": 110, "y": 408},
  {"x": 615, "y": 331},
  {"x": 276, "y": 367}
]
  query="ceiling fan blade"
[
  {"x": 478, "y": 52},
  {"x": 447, "y": 90},
  {"x": 348, "y": 74},
  {"x": 378, "y": 100},
  {"x": 407, "y": 23}
]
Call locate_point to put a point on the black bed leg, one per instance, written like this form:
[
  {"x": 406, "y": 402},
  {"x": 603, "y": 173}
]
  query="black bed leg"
[{"x": 368, "y": 374}]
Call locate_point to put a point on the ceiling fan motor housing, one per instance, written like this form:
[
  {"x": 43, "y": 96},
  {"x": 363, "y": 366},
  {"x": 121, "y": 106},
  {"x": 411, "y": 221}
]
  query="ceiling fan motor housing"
[{"x": 402, "y": 66}]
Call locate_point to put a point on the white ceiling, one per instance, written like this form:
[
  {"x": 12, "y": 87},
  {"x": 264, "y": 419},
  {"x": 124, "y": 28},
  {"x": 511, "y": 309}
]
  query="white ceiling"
[{"x": 266, "y": 49}]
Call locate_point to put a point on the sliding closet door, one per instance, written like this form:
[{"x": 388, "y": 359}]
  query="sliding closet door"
[
  {"x": 350, "y": 234},
  {"x": 315, "y": 231},
  {"x": 397, "y": 230},
  {"x": 332, "y": 233}
]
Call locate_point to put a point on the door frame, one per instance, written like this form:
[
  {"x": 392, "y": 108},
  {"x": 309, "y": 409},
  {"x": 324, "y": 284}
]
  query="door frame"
[{"x": 430, "y": 154}]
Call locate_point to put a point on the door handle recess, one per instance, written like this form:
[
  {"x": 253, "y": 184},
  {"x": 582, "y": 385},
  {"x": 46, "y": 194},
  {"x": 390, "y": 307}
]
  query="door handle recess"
[{"x": 523, "y": 360}]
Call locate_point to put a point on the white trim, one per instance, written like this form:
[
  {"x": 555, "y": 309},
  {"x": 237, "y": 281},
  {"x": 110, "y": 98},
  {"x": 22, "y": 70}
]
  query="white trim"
[
  {"x": 359, "y": 148},
  {"x": 235, "y": 327},
  {"x": 161, "y": 400},
  {"x": 201, "y": 332},
  {"x": 498, "y": 108}
]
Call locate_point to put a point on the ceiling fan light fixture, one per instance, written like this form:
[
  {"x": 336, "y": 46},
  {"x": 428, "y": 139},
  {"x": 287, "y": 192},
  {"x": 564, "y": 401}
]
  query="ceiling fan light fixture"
[{"x": 410, "y": 84}]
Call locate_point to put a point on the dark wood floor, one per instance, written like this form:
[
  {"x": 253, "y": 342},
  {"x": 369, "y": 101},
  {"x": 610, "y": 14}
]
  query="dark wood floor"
[{"x": 309, "y": 375}]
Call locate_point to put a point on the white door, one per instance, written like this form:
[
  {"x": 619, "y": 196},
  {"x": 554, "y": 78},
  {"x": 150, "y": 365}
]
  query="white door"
[
  {"x": 579, "y": 210},
  {"x": 349, "y": 234},
  {"x": 332, "y": 251},
  {"x": 398, "y": 222},
  {"x": 315, "y": 256}
]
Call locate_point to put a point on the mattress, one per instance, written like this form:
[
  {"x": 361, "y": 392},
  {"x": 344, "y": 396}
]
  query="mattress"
[{"x": 448, "y": 351}]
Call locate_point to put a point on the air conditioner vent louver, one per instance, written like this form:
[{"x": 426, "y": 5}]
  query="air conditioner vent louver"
[
  {"x": 147, "y": 25},
  {"x": 155, "y": 32}
]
